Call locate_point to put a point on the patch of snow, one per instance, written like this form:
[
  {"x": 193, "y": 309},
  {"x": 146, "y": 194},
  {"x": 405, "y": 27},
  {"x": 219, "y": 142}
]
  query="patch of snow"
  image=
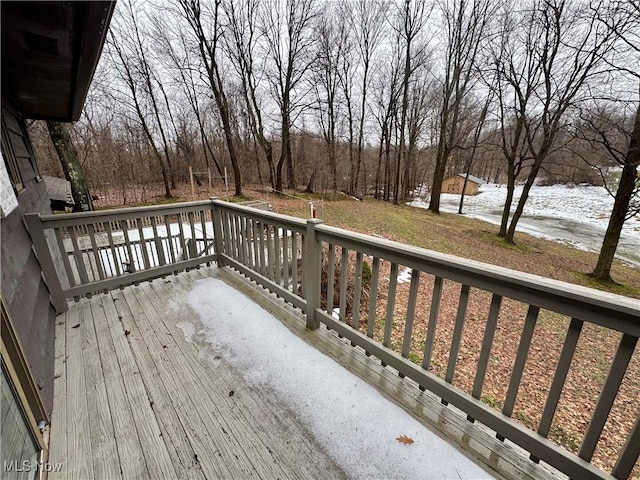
[
  {"x": 188, "y": 330},
  {"x": 353, "y": 422},
  {"x": 574, "y": 215},
  {"x": 405, "y": 275}
]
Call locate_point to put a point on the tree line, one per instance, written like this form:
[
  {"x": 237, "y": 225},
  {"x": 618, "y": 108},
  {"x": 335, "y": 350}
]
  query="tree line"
[{"x": 369, "y": 97}]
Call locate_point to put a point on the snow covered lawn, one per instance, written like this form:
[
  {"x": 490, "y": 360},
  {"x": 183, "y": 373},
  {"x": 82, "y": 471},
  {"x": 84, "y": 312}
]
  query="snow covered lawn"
[
  {"x": 355, "y": 424},
  {"x": 574, "y": 215}
]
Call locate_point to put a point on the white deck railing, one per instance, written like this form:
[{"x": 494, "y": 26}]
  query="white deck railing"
[{"x": 339, "y": 278}]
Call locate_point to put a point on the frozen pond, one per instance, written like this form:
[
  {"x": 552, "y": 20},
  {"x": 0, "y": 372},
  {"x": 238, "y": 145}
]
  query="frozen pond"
[{"x": 577, "y": 216}]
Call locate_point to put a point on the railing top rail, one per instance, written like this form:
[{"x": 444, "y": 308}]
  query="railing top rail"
[
  {"x": 270, "y": 217},
  {"x": 607, "y": 309},
  {"x": 81, "y": 218}
]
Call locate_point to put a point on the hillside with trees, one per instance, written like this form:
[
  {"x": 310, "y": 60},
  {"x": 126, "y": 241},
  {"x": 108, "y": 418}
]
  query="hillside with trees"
[{"x": 366, "y": 97}]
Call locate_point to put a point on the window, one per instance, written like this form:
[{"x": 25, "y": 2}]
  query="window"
[{"x": 10, "y": 159}]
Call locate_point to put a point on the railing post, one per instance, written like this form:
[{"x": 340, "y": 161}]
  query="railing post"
[
  {"x": 312, "y": 268},
  {"x": 43, "y": 254},
  {"x": 216, "y": 218}
]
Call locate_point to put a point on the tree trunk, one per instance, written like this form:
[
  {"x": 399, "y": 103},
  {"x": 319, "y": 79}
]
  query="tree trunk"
[
  {"x": 521, "y": 202},
  {"x": 506, "y": 210},
  {"x": 629, "y": 176},
  {"x": 68, "y": 155},
  {"x": 436, "y": 187}
]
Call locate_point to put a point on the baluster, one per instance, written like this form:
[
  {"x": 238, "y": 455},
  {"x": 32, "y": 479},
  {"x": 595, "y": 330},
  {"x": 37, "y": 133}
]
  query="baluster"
[
  {"x": 564, "y": 362},
  {"x": 246, "y": 235},
  {"x": 463, "y": 301},
  {"x": 294, "y": 256},
  {"x": 286, "y": 264},
  {"x": 183, "y": 243},
  {"x": 112, "y": 247},
  {"x": 278, "y": 257},
  {"x": 357, "y": 292},
  {"x": 255, "y": 245},
  {"x": 95, "y": 251},
  {"x": 485, "y": 351},
  {"x": 373, "y": 298},
  {"x": 158, "y": 242},
  {"x": 609, "y": 391},
  {"x": 331, "y": 272},
  {"x": 77, "y": 255},
  {"x": 193, "y": 244},
  {"x": 269, "y": 252},
  {"x": 263, "y": 261},
  {"x": 629, "y": 454},
  {"x": 344, "y": 262},
  {"x": 433, "y": 321},
  {"x": 411, "y": 311},
  {"x": 391, "y": 301},
  {"x": 167, "y": 226},
  {"x": 303, "y": 250},
  {"x": 131, "y": 260},
  {"x": 65, "y": 257},
  {"x": 519, "y": 363},
  {"x": 143, "y": 245},
  {"x": 205, "y": 247}
]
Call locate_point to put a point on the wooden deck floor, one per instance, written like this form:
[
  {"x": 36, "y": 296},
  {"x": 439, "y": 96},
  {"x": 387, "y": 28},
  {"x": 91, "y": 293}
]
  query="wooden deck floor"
[{"x": 133, "y": 400}]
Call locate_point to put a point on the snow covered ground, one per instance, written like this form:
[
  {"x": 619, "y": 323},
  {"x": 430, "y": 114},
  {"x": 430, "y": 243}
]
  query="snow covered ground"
[
  {"x": 574, "y": 215},
  {"x": 355, "y": 424}
]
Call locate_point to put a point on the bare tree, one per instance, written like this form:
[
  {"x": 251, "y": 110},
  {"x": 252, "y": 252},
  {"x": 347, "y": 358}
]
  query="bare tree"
[
  {"x": 179, "y": 60},
  {"x": 387, "y": 98},
  {"x": 563, "y": 48},
  {"x": 622, "y": 19},
  {"x": 243, "y": 43},
  {"x": 126, "y": 70},
  {"x": 138, "y": 53},
  {"x": 465, "y": 29},
  {"x": 286, "y": 28},
  {"x": 207, "y": 30},
  {"x": 411, "y": 19},
  {"x": 367, "y": 20},
  {"x": 325, "y": 78}
]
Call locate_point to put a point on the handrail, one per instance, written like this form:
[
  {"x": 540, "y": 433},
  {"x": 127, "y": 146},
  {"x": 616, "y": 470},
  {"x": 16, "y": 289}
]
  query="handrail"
[
  {"x": 606, "y": 309},
  {"x": 82, "y": 218},
  {"x": 270, "y": 217}
]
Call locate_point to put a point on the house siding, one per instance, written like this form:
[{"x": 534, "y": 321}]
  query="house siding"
[{"x": 23, "y": 289}]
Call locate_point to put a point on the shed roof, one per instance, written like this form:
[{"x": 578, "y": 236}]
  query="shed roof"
[
  {"x": 59, "y": 189},
  {"x": 477, "y": 180}
]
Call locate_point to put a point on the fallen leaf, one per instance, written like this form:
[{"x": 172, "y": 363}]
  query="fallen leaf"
[
  {"x": 231, "y": 393},
  {"x": 76, "y": 326},
  {"x": 404, "y": 439},
  {"x": 127, "y": 332}
]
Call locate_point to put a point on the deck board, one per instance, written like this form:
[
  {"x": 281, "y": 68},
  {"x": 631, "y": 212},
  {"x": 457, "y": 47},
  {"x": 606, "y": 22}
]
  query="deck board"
[
  {"x": 130, "y": 456},
  {"x": 58, "y": 430},
  {"x": 147, "y": 405},
  {"x": 101, "y": 429},
  {"x": 78, "y": 424}
]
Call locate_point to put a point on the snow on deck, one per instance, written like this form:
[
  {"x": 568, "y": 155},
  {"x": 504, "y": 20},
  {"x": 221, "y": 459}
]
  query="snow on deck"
[{"x": 353, "y": 422}]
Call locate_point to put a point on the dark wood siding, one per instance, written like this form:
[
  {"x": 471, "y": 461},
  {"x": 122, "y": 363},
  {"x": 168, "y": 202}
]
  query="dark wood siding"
[{"x": 24, "y": 291}]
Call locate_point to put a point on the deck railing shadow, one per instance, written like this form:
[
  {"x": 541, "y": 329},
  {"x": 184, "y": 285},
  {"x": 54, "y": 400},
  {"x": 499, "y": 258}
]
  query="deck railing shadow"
[{"x": 328, "y": 273}]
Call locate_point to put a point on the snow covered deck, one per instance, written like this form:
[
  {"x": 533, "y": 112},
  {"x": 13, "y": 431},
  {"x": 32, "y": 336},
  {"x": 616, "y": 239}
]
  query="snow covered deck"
[{"x": 152, "y": 382}]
